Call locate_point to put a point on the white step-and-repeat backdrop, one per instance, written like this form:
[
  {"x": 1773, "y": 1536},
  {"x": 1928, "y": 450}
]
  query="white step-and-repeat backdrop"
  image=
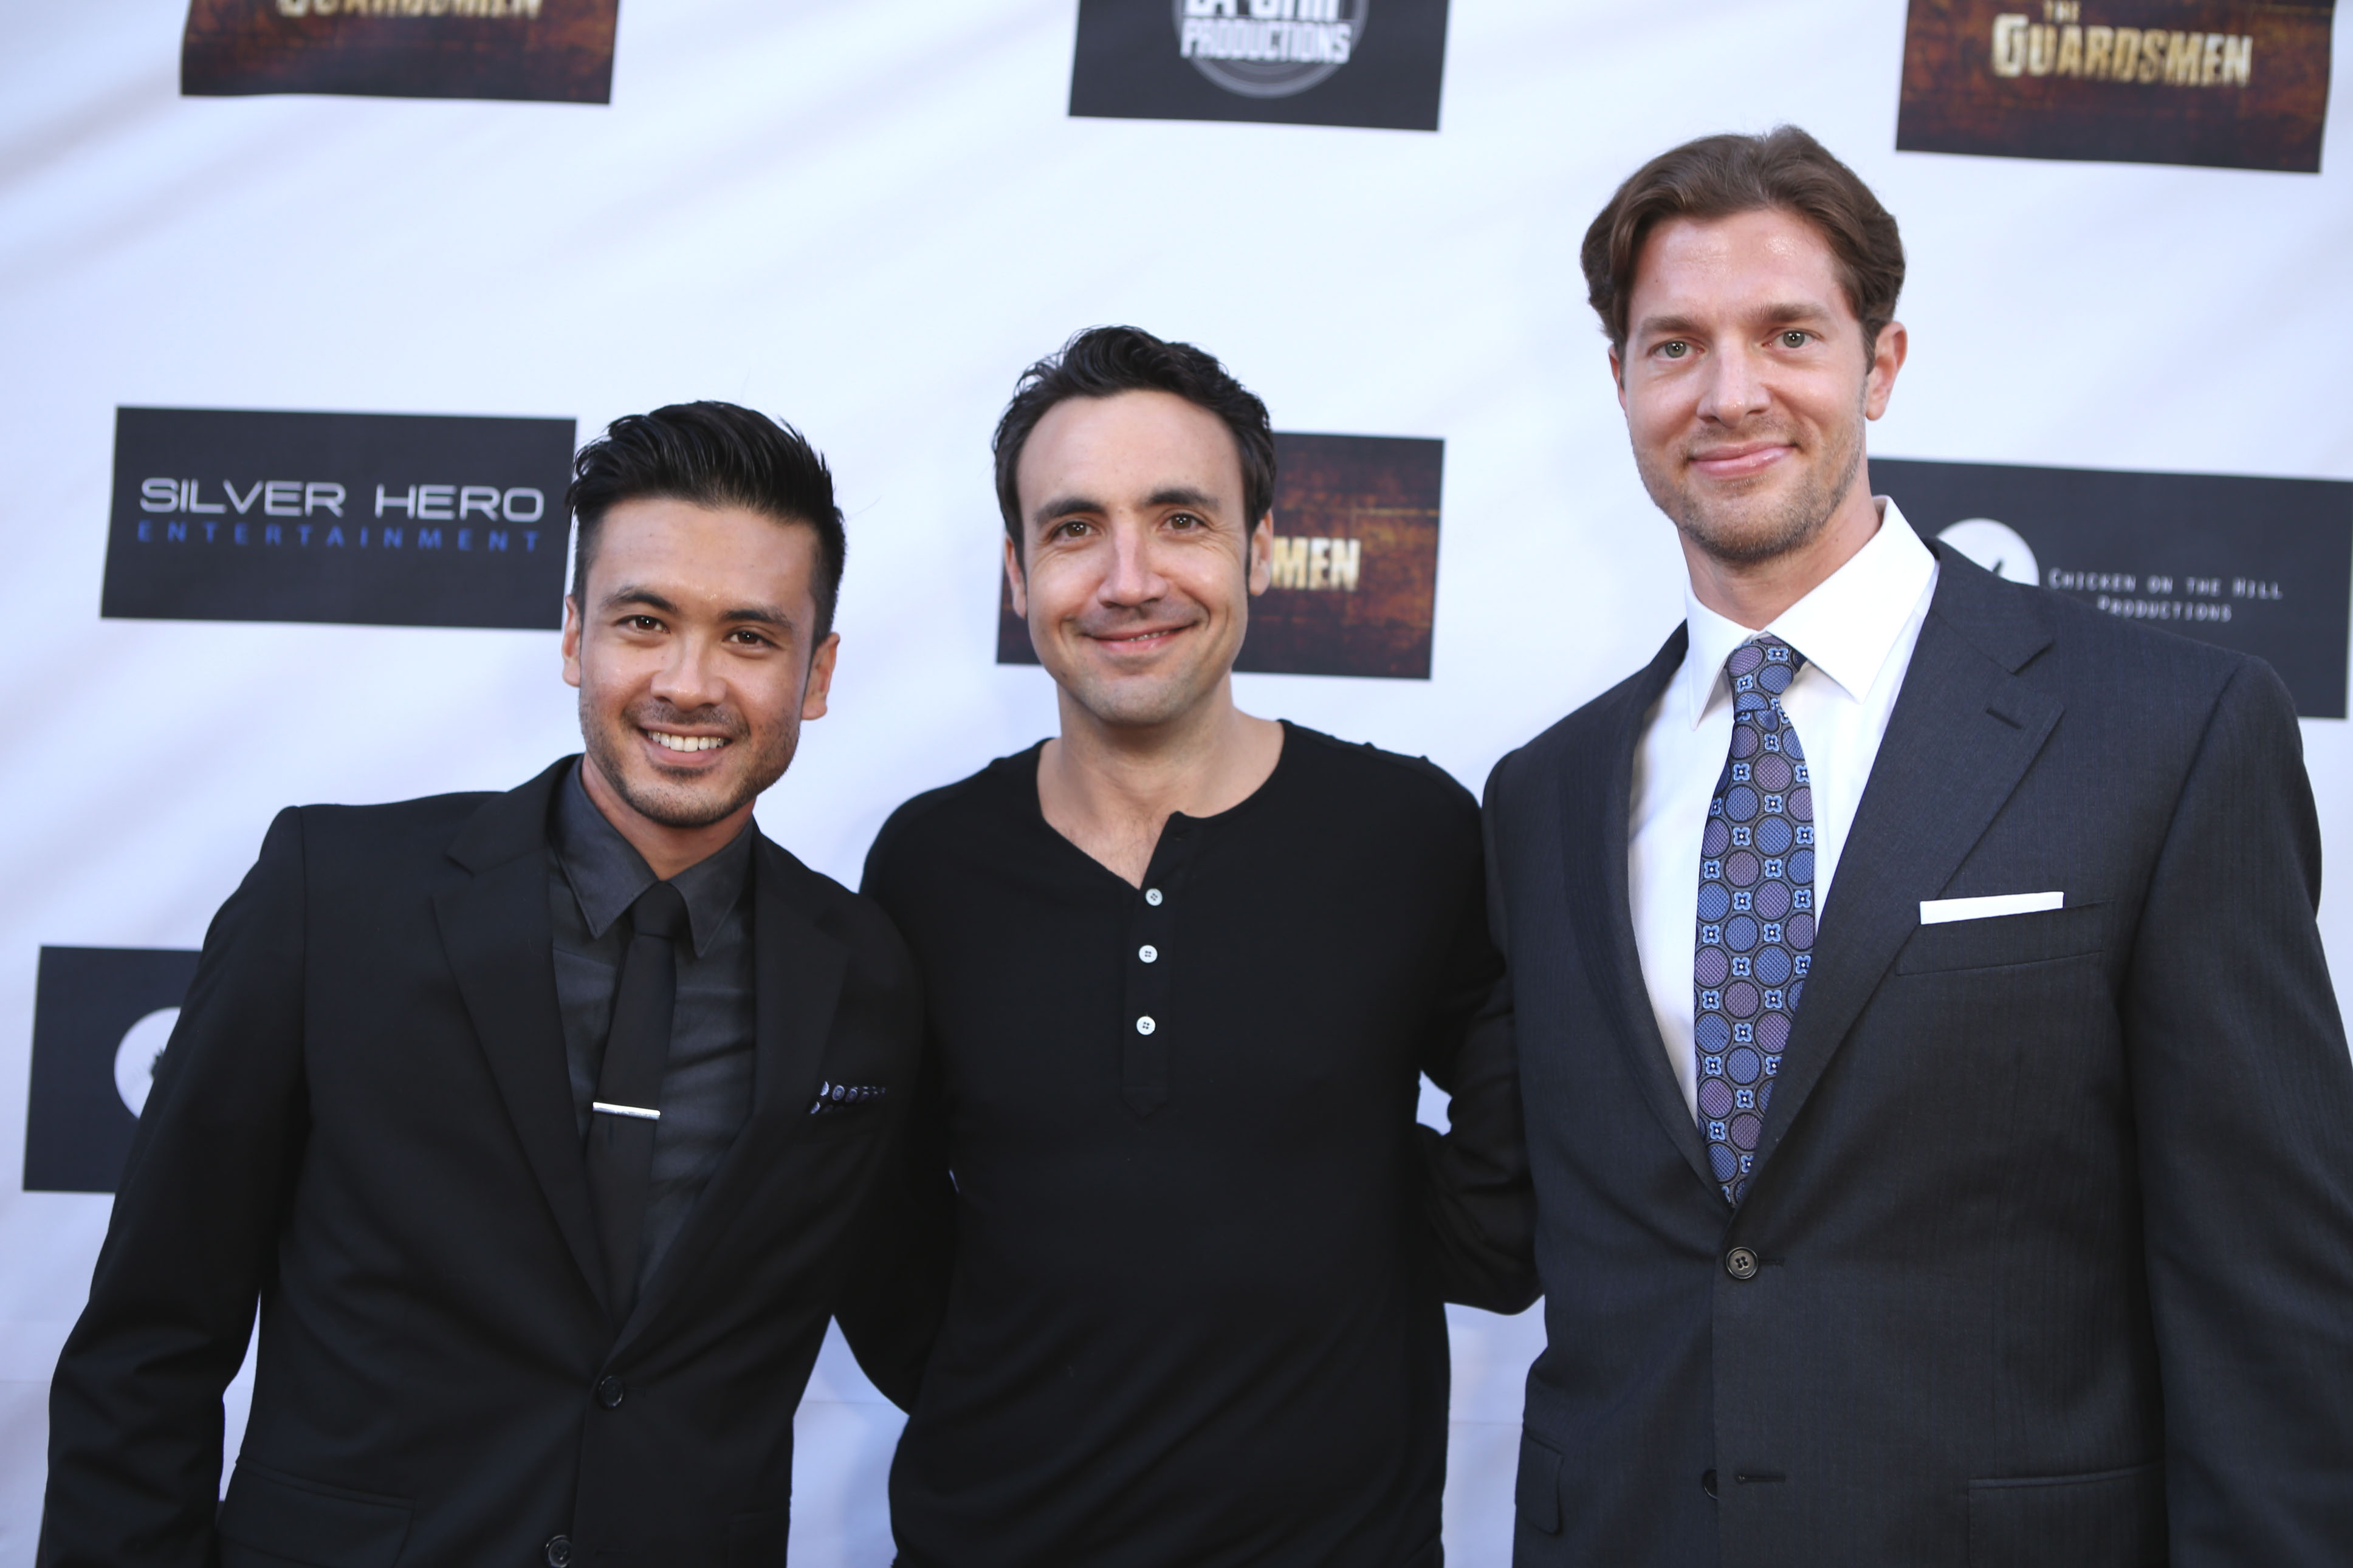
[{"x": 236, "y": 235}]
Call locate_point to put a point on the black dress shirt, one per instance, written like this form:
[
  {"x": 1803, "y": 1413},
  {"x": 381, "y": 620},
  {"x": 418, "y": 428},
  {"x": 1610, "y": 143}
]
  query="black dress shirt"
[
  {"x": 1195, "y": 1313},
  {"x": 594, "y": 876}
]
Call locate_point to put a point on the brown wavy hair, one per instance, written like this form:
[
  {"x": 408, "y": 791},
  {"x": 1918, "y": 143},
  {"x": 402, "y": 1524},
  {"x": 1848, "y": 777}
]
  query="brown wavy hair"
[{"x": 1785, "y": 170}]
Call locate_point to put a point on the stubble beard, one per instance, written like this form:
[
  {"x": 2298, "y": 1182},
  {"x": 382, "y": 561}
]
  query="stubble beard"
[
  {"x": 687, "y": 802},
  {"x": 1737, "y": 536},
  {"x": 1149, "y": 702}
]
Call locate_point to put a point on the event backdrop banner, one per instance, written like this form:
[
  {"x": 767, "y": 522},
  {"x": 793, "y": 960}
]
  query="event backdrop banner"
[
  {"x": 385, "y": 520},
  {"x": 2258, "y": 565},
  {"x": 100, "y": 1018},
  {"x": 553, "y": 49},
  {"x": 1372, "y": 63},
  {"x": 2226, "y": 82},
  {"x": 1356, "y": 563}
]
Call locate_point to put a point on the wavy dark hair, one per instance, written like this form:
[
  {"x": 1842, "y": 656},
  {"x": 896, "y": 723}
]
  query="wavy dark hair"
[
  {"x": 1784, "y": 170},
  {"x": 714, "y": 454},
  {"x": 1103, "y": 361}
]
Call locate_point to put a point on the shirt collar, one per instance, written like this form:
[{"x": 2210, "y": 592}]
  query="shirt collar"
[
  {"x": 607, "y": 873},
  {"x": 1846, "y": 628}
]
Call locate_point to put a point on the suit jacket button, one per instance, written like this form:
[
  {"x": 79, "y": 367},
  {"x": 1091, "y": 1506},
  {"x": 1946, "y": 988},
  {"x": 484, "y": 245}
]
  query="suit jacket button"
[
  {"x": 1708, "y": 1482},
  {"x": 610, "y": 1392},
  {"x": 558, "y": 1552},
  {"x": 1740, "y": 1263}
]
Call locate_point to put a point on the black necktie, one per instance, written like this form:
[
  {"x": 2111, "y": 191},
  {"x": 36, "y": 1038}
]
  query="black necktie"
[{"x": 628, "y": 1086}]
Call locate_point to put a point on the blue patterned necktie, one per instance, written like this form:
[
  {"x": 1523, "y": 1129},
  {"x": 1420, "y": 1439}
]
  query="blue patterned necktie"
[{"x": 1756, "y": 911}]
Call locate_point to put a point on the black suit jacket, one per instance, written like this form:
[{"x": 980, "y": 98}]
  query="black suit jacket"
[
  {"x": 2049, "y": 1259},
  {"x": 364, "y": 1124}
]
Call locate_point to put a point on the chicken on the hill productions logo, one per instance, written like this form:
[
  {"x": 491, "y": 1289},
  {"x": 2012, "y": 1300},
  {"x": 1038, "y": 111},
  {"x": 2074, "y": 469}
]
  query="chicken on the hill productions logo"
[
  {"x": 100, "y": 1019},
  {"x": 1268, "y": 49},
  {"x": 2258, "y": 565}
]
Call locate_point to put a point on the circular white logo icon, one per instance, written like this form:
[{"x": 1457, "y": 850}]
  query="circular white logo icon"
[
  {"x": 1995, "y": 546},
  {"x": 134, "y": 1059},
  {"x": 1268, "y": 49}
]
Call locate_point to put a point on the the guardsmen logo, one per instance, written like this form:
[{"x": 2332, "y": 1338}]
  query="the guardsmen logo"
[
  {"x": 1268, "y": 49},
  {"x": 2232, "y": 83},
  {"x": 556, "y": 50},
  {"x": 2261, "y": 565},
  {"x": 1354, "y": 581},
  {"x": 1298, "y": 62}
]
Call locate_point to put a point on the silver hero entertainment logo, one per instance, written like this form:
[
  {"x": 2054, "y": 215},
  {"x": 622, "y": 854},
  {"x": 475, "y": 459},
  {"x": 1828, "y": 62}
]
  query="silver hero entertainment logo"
[{"x": 1268, "y": 49}]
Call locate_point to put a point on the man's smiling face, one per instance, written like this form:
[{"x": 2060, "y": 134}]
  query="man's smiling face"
[
  {"x": 693, "y": 646},
  {"x": 1747, "y": 381},
  {"x": 1138, "y": 563}
]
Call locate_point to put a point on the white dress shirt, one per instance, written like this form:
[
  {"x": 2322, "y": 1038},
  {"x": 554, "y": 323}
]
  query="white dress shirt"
[{"x": 1856, "y": 629}]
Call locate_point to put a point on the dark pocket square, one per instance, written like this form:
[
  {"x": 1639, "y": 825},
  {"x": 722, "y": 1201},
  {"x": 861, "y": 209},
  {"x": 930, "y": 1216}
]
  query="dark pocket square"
[{"x": 833, "y": 1098}]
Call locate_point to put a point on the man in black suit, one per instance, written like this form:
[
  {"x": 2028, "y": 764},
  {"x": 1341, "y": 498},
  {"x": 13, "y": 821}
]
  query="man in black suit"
[
  {"x": 536, "y": 1123},
  {"x": 2007, "y": 1217}
]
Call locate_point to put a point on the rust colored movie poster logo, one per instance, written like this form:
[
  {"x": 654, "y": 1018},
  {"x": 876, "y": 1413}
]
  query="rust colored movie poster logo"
[
  {"x": 553, "y": 50},
  {"x": 1356, "y": 563},
  {"x": 2220, "y": 83}
]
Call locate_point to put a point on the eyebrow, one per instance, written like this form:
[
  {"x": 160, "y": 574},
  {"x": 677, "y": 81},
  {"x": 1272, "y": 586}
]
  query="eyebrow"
[
  {"x": 1183, "y": 495},
  {"x": 1065, "y": 506},
  {"x": 1685, "y": 326},
  {"x": 1167, "y": 495},
  {"x": 758, "y": 615},
  {"x": 631, "y": 594}
]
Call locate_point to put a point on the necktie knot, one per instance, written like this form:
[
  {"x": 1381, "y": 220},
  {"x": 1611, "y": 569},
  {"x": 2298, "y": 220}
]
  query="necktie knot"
[
  {"x": 1764, "y": 663},
  {"x": 659, "y": 911}
]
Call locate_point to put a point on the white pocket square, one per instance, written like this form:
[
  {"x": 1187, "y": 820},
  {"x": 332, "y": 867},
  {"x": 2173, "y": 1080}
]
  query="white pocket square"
[{"x": 1937, "y": 911}]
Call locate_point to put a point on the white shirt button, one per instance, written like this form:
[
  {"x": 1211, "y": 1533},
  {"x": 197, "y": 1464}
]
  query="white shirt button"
[
  {"x": 1144, "y": 1025},
  {"x": 1152, "y": 897},
  {"x": 1149, "y": 953}
]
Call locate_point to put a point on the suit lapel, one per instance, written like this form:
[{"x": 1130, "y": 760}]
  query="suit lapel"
[
  {"x": 796, "y": 975},
  {"x": 1964, "y": 731},
  {"x": 500, "y": 944},
  {"x": 1596, "y": 810}
]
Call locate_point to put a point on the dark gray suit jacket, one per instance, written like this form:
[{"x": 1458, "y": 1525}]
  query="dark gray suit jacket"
[{"x": 2052, "y": 1233}]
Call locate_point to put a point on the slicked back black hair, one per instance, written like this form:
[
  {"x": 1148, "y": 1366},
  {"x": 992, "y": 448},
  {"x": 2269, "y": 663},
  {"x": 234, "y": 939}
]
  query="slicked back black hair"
[
  {"x": 1103, "y": 361},
  {"x": 712, "y": 455}
]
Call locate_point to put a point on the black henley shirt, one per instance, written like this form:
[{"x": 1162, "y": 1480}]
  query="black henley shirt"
[{"x": 1195, "y": 1247}]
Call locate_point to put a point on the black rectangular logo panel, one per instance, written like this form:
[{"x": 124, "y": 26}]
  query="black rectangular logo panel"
[
  {"x": 386, "y": 519},
  {"x": 100, "y": 1018},
  {"x": 2261, "y": 565},
  {"x": 1374, "y": 63}
]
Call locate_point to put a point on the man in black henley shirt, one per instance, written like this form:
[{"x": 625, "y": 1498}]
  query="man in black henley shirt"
[{"x": 1180, "y": 1302}]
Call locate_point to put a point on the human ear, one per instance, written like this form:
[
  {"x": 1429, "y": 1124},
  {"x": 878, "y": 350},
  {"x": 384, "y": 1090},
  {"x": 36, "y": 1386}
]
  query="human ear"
[{"x": 1886, "y": 360}]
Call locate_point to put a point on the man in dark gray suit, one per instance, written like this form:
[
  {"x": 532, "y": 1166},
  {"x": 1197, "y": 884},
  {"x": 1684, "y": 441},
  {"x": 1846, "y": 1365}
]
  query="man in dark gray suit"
[{"x": 2007, "y": 1217}]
